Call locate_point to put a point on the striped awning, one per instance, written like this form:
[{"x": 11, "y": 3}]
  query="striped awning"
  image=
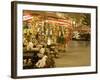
[{"x": 27, "y": 17}]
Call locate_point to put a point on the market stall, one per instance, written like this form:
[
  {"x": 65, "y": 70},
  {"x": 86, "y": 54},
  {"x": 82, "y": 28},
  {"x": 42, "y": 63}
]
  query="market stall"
[{"x": 50, "y": 31}]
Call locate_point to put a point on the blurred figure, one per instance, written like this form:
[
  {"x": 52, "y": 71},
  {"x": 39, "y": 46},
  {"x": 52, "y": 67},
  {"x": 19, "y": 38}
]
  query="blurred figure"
[
  {"x": 30, "y": 46},
  {"x": 42, "y": 62}
]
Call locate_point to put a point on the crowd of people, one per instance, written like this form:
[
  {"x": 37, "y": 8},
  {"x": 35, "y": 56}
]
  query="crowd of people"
[
  {"x": 38, "y": 52},
  {"x": 41, "y": 43},
  {"x": 47, "y": 34}
]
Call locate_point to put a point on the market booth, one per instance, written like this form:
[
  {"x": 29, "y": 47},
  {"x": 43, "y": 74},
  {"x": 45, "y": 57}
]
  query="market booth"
[{"x": 48, "y": 30}]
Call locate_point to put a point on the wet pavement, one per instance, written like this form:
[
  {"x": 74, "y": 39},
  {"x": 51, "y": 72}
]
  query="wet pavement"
[{"x": 77, "y": 54}]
